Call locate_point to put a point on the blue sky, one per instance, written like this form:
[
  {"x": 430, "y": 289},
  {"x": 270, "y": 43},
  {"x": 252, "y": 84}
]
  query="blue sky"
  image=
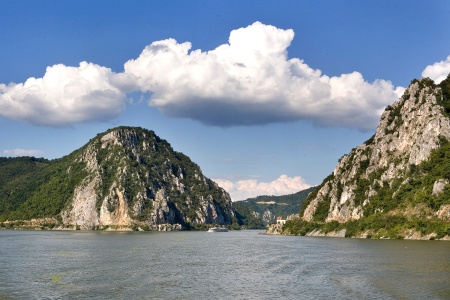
[{"x": 265, "y": 96}]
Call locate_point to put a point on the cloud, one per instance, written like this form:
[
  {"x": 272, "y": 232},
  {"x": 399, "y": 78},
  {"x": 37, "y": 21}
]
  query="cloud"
[
  {"x": 248, "y": 81},
  {"x": 438, "y": 71},
  {"x": 251, "y": 81},
  {"x": 245, "y": 189},
  {"x": 66, "y": 95},
  {"x": 21, "y": 152}
]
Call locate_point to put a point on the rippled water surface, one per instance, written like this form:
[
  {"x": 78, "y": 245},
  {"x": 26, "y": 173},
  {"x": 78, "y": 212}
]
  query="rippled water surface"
[{"x": 232, "y": 265}]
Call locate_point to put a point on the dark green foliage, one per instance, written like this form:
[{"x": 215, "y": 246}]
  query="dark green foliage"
[
  {"x": 382, "y": 201},
  {"x": 33, "y": 187},
  {"x": 19, "y": 177},
  {"x": 362, "y": 186},
  {"x": 283, "y": 205},
  {"x": 51, "y": 197},
  {"x": 245, "y": 217},
  {"x": 416, "y": 187},
  {"x": 378, "y": 225},
  {"x": 423, "y": 83},
  {"x": 322, "y": 210},
  {"x": 330, "y": 226},
  {"x": 444, "y": 100},
  {"x": 313, "y": 194},
  {"x": 394, "y": 226},
  {"x": 299, "y": 227},
  {"x": 395, "y": 117},
  {"x": 108, "y": 168},
  {"x": 370, "y": 140}
]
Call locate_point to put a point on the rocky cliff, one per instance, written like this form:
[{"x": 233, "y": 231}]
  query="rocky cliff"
[
  {"x": 401, "y": 174},
  {"x": 130, "y": 178}
]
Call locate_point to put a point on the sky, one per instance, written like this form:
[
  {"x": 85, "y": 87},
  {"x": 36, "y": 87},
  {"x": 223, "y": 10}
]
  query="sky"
[{"x": 265, "y": 96}]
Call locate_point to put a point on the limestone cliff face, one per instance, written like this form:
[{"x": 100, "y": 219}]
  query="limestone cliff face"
[
  {"x": 135, "y": 179},
  {"x": 407, "y": 133}
]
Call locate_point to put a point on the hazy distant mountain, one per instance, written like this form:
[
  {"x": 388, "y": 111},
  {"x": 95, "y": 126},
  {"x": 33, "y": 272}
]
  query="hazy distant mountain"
[
  {"x": 124, "y": 178},
  {"x": 263, "y": 210},
  {"x": 396, "y": 184}
]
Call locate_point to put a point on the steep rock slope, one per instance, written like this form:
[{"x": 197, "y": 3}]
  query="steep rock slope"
[
  {"x": 129, "y": 177},
  {"x": 136, "y": 178},
  {"x": 397, "y": 171}
]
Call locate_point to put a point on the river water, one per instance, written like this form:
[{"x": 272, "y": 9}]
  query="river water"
[{"x": 232, "y": 265}]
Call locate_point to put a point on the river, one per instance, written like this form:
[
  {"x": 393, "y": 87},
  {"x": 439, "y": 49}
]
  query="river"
[{"x": 231, "y": 265}]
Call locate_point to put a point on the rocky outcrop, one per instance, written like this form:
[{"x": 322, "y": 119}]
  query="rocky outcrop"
[
  {"x": 268, "y": 216},
  {"x": 135, "y": 179},
  {"x": 82, "y": 211},
  {"x": 407, "y": 133},
  {"x": 274, "y": 229}
]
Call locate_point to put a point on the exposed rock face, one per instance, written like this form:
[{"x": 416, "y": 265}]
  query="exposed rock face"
[
  {"x": 274, "y": 229},
  {"x": 408, "y": 131},
  {"x": 438, "y": 186},
  {"x": 268, "y": 216},
  {"x": 136, "y": 179},
  {"x": 83, "y": 209}
]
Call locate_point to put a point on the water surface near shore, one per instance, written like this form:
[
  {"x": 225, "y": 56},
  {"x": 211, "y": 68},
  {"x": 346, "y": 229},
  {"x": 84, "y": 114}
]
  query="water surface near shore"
[{"x": 231, "y": 265}]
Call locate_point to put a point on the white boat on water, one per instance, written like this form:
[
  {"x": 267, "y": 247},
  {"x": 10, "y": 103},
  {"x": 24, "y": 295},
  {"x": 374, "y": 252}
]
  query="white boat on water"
[{"x": 218, "y": 229}]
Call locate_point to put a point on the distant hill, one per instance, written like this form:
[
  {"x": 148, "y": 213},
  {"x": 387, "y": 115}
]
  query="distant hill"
[
  {"x": 126, "y": 177},
  {"x": 397, "y": 183},
  {"x": 263, "y": 210}
]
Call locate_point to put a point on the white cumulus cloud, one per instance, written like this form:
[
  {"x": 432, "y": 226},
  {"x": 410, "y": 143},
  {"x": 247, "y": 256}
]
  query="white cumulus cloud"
[
  {"x": 250, "y": 81},
  {"x": 244, "y": 189},
  {"x": 66, "y": 95},
  {"x": 21, "y": 152},
  {"x": 438, "y": 71}
]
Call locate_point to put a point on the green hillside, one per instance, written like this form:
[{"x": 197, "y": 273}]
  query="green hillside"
[
  {"x": 35, "y": 187},
  {"x": 126, "y": 176},
  {"x": 263, "y": 210}
]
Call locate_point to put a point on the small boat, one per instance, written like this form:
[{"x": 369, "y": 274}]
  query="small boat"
[{"x": 218, "y": 229}]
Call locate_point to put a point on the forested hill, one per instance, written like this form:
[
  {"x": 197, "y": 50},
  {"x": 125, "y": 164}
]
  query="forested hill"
[
  {"x": 35, "y": 187},
  {"x": 126, "y": 177},
  {"x": 267, "y": 208}
]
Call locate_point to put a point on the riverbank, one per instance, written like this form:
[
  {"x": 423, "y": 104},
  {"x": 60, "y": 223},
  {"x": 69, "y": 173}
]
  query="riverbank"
[{"x": 411, "y": 234}]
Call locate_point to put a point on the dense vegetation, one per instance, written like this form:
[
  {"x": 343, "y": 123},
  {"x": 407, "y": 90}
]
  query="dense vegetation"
[
  {"x": 379, "y": 225},
  {"x": 313, "y": 194},
  {"x": 444, "y": 100},
  {"x": 277, "y": 205},
  {"x": 246, "y": 217},
  {"x": 35, "y": 187}
]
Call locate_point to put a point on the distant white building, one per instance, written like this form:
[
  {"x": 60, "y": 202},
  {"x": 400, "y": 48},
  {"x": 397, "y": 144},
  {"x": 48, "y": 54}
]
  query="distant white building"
[{"x": 280, "y": 221}]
